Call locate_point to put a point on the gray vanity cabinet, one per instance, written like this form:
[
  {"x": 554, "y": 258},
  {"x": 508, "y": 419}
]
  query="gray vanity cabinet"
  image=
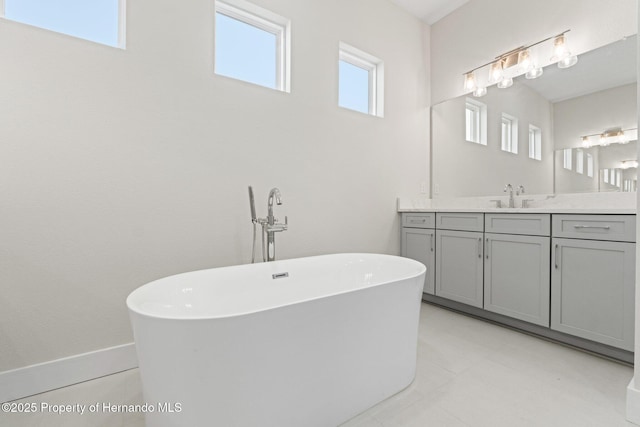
[
  {"x": 459, "y": 257},
  {"x": 516, "y": 269},
  {"x": 593, "y": 279},
  {"x": 418, "y": 242}
]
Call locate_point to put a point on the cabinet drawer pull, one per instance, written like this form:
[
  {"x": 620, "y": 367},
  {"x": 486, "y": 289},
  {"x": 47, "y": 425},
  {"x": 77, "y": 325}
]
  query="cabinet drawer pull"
[
  {"x": 480, "y": 247},
  {"x": 600, "y": 227},
  {"x": 418, "y": 221}
]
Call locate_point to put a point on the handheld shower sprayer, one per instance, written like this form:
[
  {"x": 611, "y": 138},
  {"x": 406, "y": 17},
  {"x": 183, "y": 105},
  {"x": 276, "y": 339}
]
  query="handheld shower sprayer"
[
  {"x": 252, "y": 203},
  {"x": 254, "y": 220}
]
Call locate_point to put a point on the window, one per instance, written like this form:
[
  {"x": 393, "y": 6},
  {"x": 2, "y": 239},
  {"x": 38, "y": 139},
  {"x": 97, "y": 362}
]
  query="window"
[
  {"x": 535, "y": 143},
  {"x": 589, "y": 165},
  {"x": 252, "y": 44},
  {"x": 618, "y": 178},
  {"x": 509, "y": 134},
  {"x": 100, "y": 21},
  {"x": 360, "y": 81},
  {"x": 567, "y": 159},
  {"x": 579, "y": 161},
  {"x": 475, "y": 122},
  {"x": 605, "y": 175}
]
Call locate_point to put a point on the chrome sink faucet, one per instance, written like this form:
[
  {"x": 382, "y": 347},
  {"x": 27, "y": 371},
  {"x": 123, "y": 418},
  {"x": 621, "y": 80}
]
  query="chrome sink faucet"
[{"x": 509, "y": 188}]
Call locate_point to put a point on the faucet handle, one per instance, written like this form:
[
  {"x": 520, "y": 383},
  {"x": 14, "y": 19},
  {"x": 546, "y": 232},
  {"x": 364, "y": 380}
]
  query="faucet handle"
[
  {"x": 498, "y": 202},
  {"x": 525, "y": 202},
  {"x": 520, "y": 190}
]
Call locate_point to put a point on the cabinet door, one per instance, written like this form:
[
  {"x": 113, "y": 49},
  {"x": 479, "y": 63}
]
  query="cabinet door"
[
  {"x": 516, "y": 277},
  {"x": 459, "y": 266},
  {"x": 592, "y": 290},
  {"x": 419, "y": 244}
]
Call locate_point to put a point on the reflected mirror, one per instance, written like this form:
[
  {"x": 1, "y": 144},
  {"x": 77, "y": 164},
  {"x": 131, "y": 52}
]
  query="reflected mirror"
[{"x": 569, "y": 131}]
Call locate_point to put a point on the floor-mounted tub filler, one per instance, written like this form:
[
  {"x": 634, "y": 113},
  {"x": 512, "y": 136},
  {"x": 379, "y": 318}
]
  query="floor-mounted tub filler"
[{"x": 301, "y": 342}]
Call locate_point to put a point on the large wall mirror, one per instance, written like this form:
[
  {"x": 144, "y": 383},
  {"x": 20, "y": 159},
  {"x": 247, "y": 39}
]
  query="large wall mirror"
[{"x": 569, "y": 131}]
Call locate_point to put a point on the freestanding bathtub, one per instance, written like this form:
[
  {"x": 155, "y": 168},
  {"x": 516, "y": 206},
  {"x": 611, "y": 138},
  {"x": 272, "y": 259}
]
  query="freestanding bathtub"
[{"x": 302, "y": 342}]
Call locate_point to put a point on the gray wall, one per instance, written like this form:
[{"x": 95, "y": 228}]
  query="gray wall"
[{"x": 122, "y": 166}]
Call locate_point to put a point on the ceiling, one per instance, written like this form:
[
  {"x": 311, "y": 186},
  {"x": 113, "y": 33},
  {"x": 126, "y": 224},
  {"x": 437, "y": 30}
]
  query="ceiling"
[{"x": 430, "y": 11}]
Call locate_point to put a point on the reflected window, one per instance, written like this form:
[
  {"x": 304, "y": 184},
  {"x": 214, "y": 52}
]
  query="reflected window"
[
  {"x": 475, "y": 122},
  {"x": 579, "y": 161},
  {"x": 566, "y": 159},
  {"x": 589, "y": 165},
  {"x": 509, "y": 134},
  {"x": 535, "y": 143}
]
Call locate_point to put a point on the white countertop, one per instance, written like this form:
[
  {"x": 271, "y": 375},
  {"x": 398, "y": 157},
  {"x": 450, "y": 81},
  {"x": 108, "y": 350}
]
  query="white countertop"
[
  {"x": 583, "y": 203},
  {"x": 556, "y": 210}
]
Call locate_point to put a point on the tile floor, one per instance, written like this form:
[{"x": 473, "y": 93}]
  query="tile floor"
[{"x": 470, "y": 374}]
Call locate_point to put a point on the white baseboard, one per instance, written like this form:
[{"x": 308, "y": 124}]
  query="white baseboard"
[
  {"x": 35, "y": 379},
  {"x": 633, "y": 403}
]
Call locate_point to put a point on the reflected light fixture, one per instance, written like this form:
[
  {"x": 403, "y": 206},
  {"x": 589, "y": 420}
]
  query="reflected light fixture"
[
  {"x": 629, "y": 164},
  {"x": 518, "y": 61},
  {"x": 610, "y": 136}
]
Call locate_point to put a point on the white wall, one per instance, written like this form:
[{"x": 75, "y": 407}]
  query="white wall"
[
  {"x": 122, "y": 166},
  {"x": 482, "y": 29},
  {"x": 462, "y": 168}
]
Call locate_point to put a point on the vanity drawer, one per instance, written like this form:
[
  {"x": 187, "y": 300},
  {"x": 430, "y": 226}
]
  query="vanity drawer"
[
  {"x": 460, "y": 221},
  {"x": 419, "y": 220},
  {"x": 595, "y": 227},
  {"x": 528, "y": 224}
]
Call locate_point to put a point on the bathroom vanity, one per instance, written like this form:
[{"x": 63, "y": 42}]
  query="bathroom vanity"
[{"x": 565, "y": 274}]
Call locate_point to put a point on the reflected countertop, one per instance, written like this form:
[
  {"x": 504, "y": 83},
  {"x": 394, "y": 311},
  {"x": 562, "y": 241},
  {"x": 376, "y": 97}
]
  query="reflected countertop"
[{"x": 582, "y": 203}]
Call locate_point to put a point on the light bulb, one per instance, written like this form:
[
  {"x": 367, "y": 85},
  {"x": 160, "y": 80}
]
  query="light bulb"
[
  {"x": 469, "y": 81},
  {"x": 480, "y": 91},
  {"x": 505, "y": 83},
  {"x": 524, "y": 60},
  {"x": 534, "y": 73},
  {"x": 585, "y": 142},
  {"x": 567, "y": 62},
  {"x": 495, "y": 73},
  {"x": 560, "y": 50}
]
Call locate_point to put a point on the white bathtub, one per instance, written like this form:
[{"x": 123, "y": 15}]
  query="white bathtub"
[{"x": 235, "y": 346}]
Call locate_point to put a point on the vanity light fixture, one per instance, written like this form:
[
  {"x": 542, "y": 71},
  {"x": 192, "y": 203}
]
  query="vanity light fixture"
[
  {"x": 518, "y": 61},
  {"x": 610, "y": 136}
]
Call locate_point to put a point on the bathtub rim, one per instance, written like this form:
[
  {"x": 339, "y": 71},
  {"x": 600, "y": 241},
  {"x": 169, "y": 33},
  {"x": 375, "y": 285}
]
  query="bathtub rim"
[{"x": 138, "y": 312}]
